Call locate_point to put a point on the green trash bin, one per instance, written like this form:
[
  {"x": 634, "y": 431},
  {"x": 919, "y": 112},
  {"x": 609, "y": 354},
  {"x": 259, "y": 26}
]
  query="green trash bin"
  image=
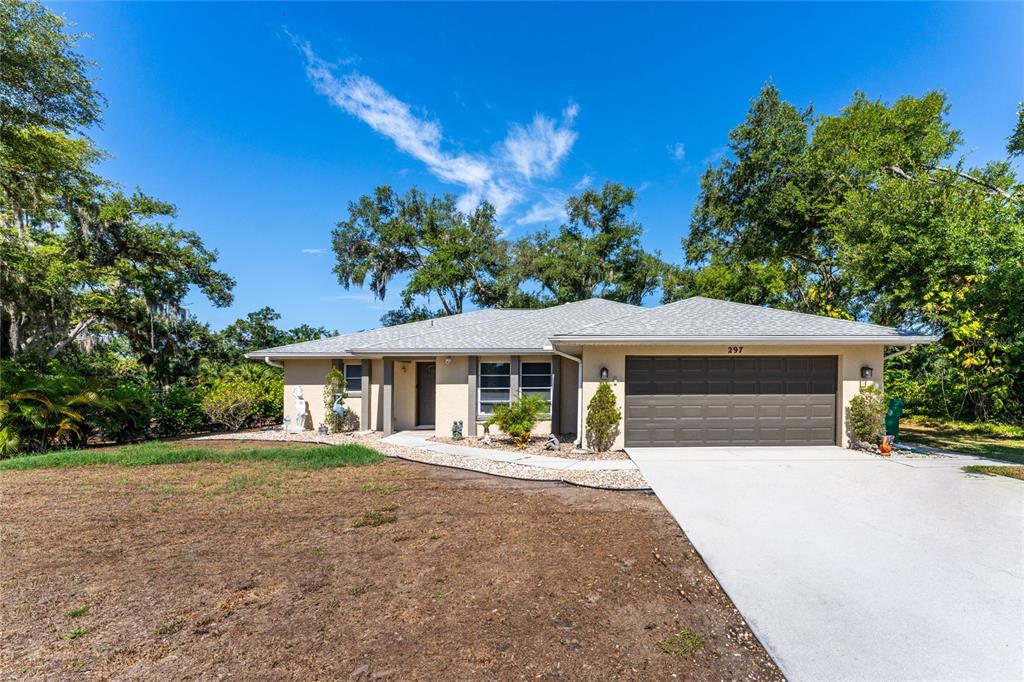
[{"x": 892, "y": 419}]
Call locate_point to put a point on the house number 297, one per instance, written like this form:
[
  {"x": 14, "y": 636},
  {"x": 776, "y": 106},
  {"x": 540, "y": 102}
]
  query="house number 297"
[{"x": 735, "y": 349}]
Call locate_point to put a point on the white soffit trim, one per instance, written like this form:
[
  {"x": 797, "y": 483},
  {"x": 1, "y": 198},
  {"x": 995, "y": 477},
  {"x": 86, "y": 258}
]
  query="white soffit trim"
[{"x": 758, "y": 340}]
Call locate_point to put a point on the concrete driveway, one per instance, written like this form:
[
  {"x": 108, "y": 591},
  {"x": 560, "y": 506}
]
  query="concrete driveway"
[{"x": 848, "y": 566}]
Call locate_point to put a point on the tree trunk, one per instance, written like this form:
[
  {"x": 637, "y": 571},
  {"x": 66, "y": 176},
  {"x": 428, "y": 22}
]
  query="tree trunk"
[{"x": 79, "y": 328}]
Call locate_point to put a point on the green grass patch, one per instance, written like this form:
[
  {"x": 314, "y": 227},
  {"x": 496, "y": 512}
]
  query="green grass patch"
[
  {"x": 376, "y": 517},
  {"x": 79, "y": 612},
  {"x": 994, "y": 441},
  {"x": 686, "y": 642},
  {"x": 75, "y": 634},
  {"x": 170, "y": 627},
  {"x": 1010, "y": 472},
  {"x": 148, "y": 454}
]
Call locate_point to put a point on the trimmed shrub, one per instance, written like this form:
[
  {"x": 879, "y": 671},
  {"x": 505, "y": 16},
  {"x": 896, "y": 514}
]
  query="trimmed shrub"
[
  {"x": 867, "y": 415},
  {"x": 603, "y": 417},
  {"x": 518, "y": 419}
]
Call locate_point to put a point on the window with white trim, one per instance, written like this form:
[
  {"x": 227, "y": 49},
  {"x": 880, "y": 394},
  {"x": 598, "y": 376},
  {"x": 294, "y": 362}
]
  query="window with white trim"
[
  {"x": 495, "y": 385},
  {"x": 354, "y": 378},
  {"x": 535, "y": 378}
]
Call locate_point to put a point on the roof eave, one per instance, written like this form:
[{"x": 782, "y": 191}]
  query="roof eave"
[
  {"x": 392, "y": 352},
  {"x": 757, "y": 340},
  {"x": 292, "y": 355},
  {"x": 388, "y": 352}
]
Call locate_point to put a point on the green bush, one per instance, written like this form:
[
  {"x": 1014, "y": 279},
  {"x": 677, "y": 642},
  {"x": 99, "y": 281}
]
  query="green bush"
[
  {"x": 264, "y": 388},
  {"x": 603, "y": 417},
  {"x": 232, "y": 403},
  {"x": 40, "y": 412},
  {"x": 178, "y": 409},
  {"x": 123, "y": 414},
  {"x": 334, "y": 388},
  {"x": 518, "y": 419},
  {"x": 867, "y": 415}
]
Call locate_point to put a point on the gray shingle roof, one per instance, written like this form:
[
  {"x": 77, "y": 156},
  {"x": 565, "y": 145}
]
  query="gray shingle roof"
[
  {"x": 518, "y": 330},
  {"x": 340, "y": 345},
  {"x": 699, "y": 317},
  {"x": 593, "y": 320}
]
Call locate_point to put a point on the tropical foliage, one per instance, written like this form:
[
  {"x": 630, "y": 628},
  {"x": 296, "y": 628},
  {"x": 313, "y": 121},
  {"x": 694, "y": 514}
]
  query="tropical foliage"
[
  {"x": 95, "y": 339},
  {"x": 518, "y": 419}
]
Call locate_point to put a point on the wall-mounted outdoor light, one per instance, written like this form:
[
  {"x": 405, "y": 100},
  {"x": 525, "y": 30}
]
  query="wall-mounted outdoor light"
[
  {"x": 604, "y": 373},
  {"x": 448, "y": 360},
  {"x": 866, "y": 372}
]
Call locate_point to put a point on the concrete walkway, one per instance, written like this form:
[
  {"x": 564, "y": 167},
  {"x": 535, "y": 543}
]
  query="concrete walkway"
[
  {"x": 420, "y": 440},
  {"x": 854, "y": 567}
]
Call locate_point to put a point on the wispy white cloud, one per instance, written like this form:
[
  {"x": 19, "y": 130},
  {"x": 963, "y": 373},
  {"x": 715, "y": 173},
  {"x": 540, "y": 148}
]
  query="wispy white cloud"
[
  {"x": 314, "y": 251},
  {"x": 677, "y": 151},
  {"x": 537, "y": 149},
  {"x": 584, "y": 183},
  {"x": 502, "y": 178},
  {"x": 550, "y": 209}
]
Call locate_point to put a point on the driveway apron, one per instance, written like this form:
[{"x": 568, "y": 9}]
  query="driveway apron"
[{"x": 849, "y": 566}]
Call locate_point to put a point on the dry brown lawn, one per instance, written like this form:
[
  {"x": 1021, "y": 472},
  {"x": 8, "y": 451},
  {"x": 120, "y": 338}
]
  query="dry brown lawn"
[{"x": 400, "y": 570}]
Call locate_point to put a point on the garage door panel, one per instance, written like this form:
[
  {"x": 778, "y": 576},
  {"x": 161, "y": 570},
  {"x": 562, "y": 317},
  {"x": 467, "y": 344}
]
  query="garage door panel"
[
  {"x": 693, "y": 401},
  {"x": 745, "y": 410}
]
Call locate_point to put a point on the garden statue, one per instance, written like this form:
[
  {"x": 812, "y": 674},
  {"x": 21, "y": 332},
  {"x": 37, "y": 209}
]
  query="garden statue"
[
  {"x": 457, "y": 430},
  {"x": 553, "y": 443},
  {"x": 322, "y": 429},
  {"x": 300, "y": 410},
  {"x": 339, "y": 407}
]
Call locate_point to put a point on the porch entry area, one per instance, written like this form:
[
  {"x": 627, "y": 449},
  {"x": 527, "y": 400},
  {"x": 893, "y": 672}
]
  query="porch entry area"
[{"x": 433, "y": 392}]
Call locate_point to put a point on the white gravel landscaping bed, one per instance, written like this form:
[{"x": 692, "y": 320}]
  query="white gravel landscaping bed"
[{"x": 630, "y": 479}]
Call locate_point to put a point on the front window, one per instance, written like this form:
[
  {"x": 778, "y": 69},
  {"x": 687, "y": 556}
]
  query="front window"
[
  {"x": 535, "y": 379},
  {"x": 354, "y": 378},
  {"x": 495, "y": 385}
]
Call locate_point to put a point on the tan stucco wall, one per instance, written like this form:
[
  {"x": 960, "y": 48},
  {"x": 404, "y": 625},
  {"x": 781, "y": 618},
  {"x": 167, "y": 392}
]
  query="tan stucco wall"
[
  {"x": 310, "y": 375},
  {"x": 850, "y": 360},
  {"x": 452, "y": 393}
]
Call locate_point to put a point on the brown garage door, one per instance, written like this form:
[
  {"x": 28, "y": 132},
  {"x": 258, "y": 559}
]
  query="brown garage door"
[{"x": 779, "y": 400}]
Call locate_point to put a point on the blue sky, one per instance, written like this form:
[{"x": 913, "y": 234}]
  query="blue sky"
[{"x": 262, "y": 121}]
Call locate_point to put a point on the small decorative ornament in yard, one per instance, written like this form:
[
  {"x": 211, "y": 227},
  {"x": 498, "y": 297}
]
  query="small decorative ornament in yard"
[
  {"x": 322, "y": 429},
  {"x": 287, "y": 421},
  {"x": 457, "y": 430},
  {"x": 300, "y": 410},
  {"x": 552, "y": 443},
  {"x": 486, "y": 440},
  {"x": 885, "y": 445}
]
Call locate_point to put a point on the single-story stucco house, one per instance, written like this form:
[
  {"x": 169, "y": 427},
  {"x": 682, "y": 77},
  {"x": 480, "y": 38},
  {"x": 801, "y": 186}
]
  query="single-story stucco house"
[{"x": 695, "y": 372}]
